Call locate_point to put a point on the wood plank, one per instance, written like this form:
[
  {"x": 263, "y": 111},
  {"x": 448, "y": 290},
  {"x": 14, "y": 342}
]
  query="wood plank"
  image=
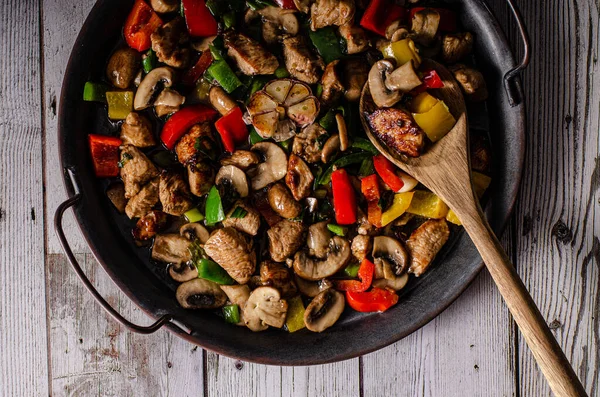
[
  {"x": 558, "y": 217},
  {"x": 23, "y": 363}
]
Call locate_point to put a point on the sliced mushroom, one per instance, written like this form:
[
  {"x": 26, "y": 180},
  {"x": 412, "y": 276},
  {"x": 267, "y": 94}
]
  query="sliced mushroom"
[
  {"x": 243, "y": 159},
  {"x": 164, "y": 6},
  {"x": 382, "y": 96},
  {"x": 278, "y": 22},
  {"x": 168, "y": 102},
  {"x": 324, "y": 310},
  {"x": 471, "y": 82},
  {"x": 317, "y": 240},
  {"x": 272, "y": 169},
  {"x": 342, "y": 132},
  {"x": 396, "y": 284},
  {"x": 171, "y": 248},
  {"x": 425, "y": 24},
  {"x": 183, "y": 272},
  {"x": 403, "y": 79},
  {"x": 150, "y": 85},
  {"x": 355, "y": 76},
  {"x": 263, "y": 308},
  {"x": 200, "y": 294},
  {"x": 193, "y": 231},
  {"x": 312, "y": 288},
  {"x": 330, "y": 148},
  {"x": 299, "y": 178},
  {"x": 282, "y": 201},
  {"x": 456, "y": 46},
  {"x": 122, "y": 67},
  {"x": 237, "y": 295},
  {"x": 313, "y": 269},
  {"x": 230, "y": 175},
  {"x": 220, "y": 100},
  {"x": 201, "y": 43},
  {"x": 391, "y": 255}
]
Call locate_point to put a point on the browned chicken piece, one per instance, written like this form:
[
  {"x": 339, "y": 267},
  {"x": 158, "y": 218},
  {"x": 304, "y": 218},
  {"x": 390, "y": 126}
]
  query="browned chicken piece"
[
  {"x": 171, "y": 43},
  {"x": 356, "y": 38},
  {"x": 174, "y": 194},
  {"x": 123, "y": 65},
  {"x": 278, "y": 276},
  {"x": 201, "y": 177},
  {"x": 306, "y": 143},
  {"x": 425, "y": 25},
  {"x": 150, "y": 224},
  {"x": 481, "y": 156},
  {"x": 303, "y": 5},
  {"x": 456, "y": 46},
  {"x": 424, "y": 244},
  {"x": 361, "y": 247},
  {"x": 300, "y": 61},
  {"x": 365, "y": 228},
  {"x": 171, "y": 248},
  {"x": 285, "y": 238},
  {"x": 299, "y": 178},
  {"x": 249, "y": 224},
  {"x": 136, "y": 130},
  {"x": 249, "y": 55},
  {"x": 397, "y": 129},
  {"x": 199, "y": 136},
  {"x": 471, "y": 81},
  {"x": 136, "y": 170},
  {"x": 230, "y": 249},
  {"x": 243, "y": 159},
  {"x": 355, "y": 75},
  {"x": 282, "y": 201},
  {"x": 331, "y": 12},
  {"x": 332, "y": 86},
  {"x": 143, "y": 202}
]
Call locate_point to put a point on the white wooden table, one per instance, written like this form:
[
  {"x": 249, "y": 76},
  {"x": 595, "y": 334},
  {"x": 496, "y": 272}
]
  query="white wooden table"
[{"x": 55, "y": 340}]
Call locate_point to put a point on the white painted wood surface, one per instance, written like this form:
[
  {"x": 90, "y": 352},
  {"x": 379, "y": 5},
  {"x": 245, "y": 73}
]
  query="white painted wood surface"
[{"x": 55, "y": 340}]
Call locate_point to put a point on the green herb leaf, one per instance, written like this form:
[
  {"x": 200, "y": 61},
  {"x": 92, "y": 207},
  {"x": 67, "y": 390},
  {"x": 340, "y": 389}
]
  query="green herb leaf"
[
  {"x": 124, "y": 159},
  {"x": 239, "y": 213}
]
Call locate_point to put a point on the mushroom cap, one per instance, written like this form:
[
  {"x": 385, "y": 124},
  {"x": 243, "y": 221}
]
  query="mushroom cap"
[
  {"x": 263, "y": 308},
  {"x": 149, "y": 85},
  {"x": 311, "y": 288},
  {"x": 282, "y": 17},
  {"x": 272, "y": 169},
  {"x": 392, "y": 255},
  {"x": 312, "y": 269},
  {"x": 324, "y": 310},
  {"x": 397, "y": 284},
  {"x": 232, "y": 175},
  {"x": 382, "y": 96},
  {"x": 403, "y": 78},
  {"x": 183, "y": 272},
  {"x": 193, "y": 231},
  {"x": 200, "y": 294}
]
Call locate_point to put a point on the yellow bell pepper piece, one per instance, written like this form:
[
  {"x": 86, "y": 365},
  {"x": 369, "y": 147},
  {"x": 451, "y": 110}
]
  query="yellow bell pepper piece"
[
  {"x": 295, "y": 314},
  {"x": 436, "y": 122},
  {"x": 402, "y": 51},
  {"x": 428, "y": 205},
  {"x": 423, "y": 103},
  {"x": 451, "y": 217},
  {"x": 480, "y": 183},
  {"x": 120, "y": 104},
  {"x": 399, "y": 206}
]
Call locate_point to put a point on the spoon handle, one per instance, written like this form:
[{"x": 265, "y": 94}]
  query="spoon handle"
[{"x": 546, "y": 350}]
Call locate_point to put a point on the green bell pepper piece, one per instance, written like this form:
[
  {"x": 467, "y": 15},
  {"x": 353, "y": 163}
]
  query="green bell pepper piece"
[
  {"x": 327, "y": 43},
  {"x": 342, "y": 162},
  {"x": 254, "y": 137},
  {"x": 337, "y": 229},
  {"x": 214, "y": 207},
  {"x": 229, "y": 19},
  {"x": 194, "y": 215},
  {"x": 281, "y": 72},
  {"x": 94, "y": 92},
  {"x": 149, "y": 61},
  {"x": 211, "y": 271},
  {"x": 224, "y": 75},
  {"x": 231, "y": 313},
  {"x": 364, "y": 144},
  {"x": 366, "y": 168},
  {"x": 352, "y": 270}
]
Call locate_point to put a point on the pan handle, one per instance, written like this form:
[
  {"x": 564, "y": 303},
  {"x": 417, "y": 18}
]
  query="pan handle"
[
  {"x": 513, "y": 89},
  {"x": 58, "y": 228}
]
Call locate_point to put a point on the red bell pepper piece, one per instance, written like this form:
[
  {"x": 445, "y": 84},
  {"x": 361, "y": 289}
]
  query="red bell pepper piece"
[
  {"x": 380, "y": 14},
  {"x": 344, "y": 199},
  {"x": 376, "y": 300},
  {"x": 179, "y": 124},
  {"x": 200, "y": 21},
  {"x": 447, "y": 18},
  {"x": 431, "y": 79},
  {"x": 365, "y": 274},
  {"x": 387, "y": 172},
  {"x": 194, "y": 73},
  {"x": 141, "y": 23},
  {"x": 105, "y": 155},
  {"x": 232, "y": 129},
  {"x": 287, "y": 4}
]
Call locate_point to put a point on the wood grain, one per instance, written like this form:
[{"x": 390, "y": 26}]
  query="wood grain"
[{"x": 23, "y": 342}]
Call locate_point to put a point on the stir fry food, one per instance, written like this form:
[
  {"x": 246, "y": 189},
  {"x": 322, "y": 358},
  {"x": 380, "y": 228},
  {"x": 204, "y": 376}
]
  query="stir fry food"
[{"x": 239, "y": 156}]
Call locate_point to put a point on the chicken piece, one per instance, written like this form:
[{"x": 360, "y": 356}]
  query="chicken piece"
[
  {"x": 278, "y": 276},
  {"x": 285, "y": 238},
  {"x": 148, "y": 225},
  {"x": 365, "y": 228},
  {"x": 249, "y": 55},
  {"x": 471, "y": 81},
  {"x": 136, "y": 170},
  {"x": 143, "y": 202},
  {"x": 425, "y": 25},
  {"x": 299, "y": 179},
  {"x": 186, "y": 148},
  {"x": 332, "y": 86},
  {"x": 424, "y": 244},
  {"x": 331, "y": 12},
  {"x": 171, "y": 43},
  {"x": 397, "y": 129},
  {"x": 233, "y": 252},
  {"x": 300, "y": 61},
  {"x": 306, "y": 143},
  {"x": 174, "y": 194},
  {"x": 355, "y": 75},
  {"x": 136, "y": 130},
  {"x": 171, "y": 248},
  {"x": 456, "y": 46},
  {"x": 243, "y": 159},
  {"x": 361, "y": 247},
  {"x": 356, "y": 38},
  {"x": 249, "y": 224},
  {"x": 201, "y": 177}
]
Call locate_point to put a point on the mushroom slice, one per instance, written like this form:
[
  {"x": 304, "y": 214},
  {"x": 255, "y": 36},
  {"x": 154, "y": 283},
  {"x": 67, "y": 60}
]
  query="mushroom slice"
[
  {"x": 164, "y": 6},
  {"x": 171, "y": 248},
  {"x": 392, "y": 256},
  {"x": 200, "y": 294},
  {"x": 149, "y": 86},
  {"x": 272, "y": 169},
  {"x": 304, "y": 113},
  {"x": 396, "y": 284},
  {"x": 282, "y": 17},
  {"x": 331, "y": 147},
  {"x": 324, "y": 310},
  {"x": 312, "y": 269},
  {"x": 193, "y": 231},
  {"x": 183, "y": 272},
  {"x": 318, "y": 239},
  {"x": 312, "y": 288},
  {"x": 230, "y": 175},
  {"x": 382, "y": 96},
  {"x": 263, "y": 308},
  {"x": 243, "y": 159},
  {"x": 299, "y": 178},
  {"x": 403, "y": 79}
]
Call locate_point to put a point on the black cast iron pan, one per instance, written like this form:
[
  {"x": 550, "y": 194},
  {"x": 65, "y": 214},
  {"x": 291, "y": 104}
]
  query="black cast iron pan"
[{"x": 108, "y": 234}]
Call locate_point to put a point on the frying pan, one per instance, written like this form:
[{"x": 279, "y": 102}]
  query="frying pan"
[{"x": 108, "y": 234}]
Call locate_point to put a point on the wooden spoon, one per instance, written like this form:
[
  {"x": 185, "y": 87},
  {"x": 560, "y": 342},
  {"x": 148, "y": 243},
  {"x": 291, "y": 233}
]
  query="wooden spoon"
[{"x": 444, "y": 168}]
